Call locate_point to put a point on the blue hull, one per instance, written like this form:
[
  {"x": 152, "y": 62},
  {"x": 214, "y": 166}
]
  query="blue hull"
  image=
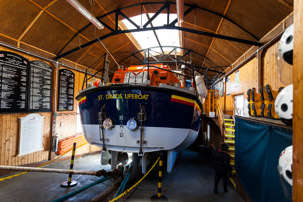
[
  {"x": 123, "y": 104},
  {"x": 175, "y": 111}
]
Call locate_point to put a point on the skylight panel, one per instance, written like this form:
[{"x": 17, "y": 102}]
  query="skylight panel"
[{"x": 147, "y": 39}]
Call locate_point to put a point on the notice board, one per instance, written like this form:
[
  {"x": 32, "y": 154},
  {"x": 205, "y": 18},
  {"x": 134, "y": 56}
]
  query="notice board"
[
  {"x": 66, "y": 90},
  {"x": 13, "y": 82},
  {"x": 31, "y": 134},
  {"x": 40, "y": 87}
]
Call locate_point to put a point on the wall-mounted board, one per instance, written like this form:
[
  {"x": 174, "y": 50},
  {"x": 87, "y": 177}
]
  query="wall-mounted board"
[
  {"x": 40, "y": 87},
  {"x": 66, "y": 90},
  {"x": 13, "y": 82},
  {"x": 31, "y": 132}
]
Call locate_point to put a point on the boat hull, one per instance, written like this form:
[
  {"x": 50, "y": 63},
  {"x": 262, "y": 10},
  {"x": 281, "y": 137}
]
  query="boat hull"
[{"x": 173, "y": 117}]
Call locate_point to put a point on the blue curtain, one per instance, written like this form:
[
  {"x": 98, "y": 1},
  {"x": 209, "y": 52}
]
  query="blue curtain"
[{"x": 257, "y": 150}]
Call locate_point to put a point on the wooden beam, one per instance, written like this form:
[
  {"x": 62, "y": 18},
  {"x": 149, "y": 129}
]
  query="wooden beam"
[
  {"x": 288, "y": 5},
  {"x": 209, "y": 48},
  {"x": 6, "y": 36},
  {"x": 89, "y": 48},
  {"x": 199, "y": 27},
  {"x": 51, "y": 3},
  {"x": 234, "y": 45},
  {"x": 219, "y": 26},
  {"x": 297, "y": 165},
  {"x": 32, "y": 23},
  {"x": 29, "y": 27},
  {"x": 62, "y": 22}
]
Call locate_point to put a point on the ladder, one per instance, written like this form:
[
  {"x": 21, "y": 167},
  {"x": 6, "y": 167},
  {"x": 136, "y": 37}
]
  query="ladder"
[{"x": 229, "y": 138}]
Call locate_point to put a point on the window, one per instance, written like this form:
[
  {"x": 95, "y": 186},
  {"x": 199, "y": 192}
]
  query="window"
[{"x": 147, "y": 39}]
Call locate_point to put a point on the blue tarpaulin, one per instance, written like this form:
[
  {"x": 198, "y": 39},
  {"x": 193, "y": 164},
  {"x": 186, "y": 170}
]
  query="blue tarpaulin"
[{"x": 257, "y": 150}]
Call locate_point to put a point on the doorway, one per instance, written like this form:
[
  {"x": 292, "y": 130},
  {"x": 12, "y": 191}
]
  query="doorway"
[{"x": 239, "y": 105}]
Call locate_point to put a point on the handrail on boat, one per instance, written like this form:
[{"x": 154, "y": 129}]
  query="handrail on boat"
[{"x": 102, "y": 79}]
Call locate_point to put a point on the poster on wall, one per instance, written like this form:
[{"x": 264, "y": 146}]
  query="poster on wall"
[
  {"x": 40, "y": 87},
  {"x": 66, "y": 90},
  {"x": 237, "y": 79},
  {"x": 227, "y": 86},
  {"x": 13, "y": 82},
  {"x": 221, "y": 90},
  {"x": 31, "y": 134}
]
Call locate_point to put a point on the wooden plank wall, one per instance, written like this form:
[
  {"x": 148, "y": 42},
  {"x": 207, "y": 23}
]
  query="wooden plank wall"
[
  {"x": 9, "y": 139},
  {"x": 271, "y": 75},
  {"x": 9, "y": 128},
  {"x": 298, "y": 104},
  {"x": 248, "y": 76}
]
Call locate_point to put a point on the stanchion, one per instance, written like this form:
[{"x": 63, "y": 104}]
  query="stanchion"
[
  {"x": 159, "y": 196},
  {"x": 69, "y": 182}
]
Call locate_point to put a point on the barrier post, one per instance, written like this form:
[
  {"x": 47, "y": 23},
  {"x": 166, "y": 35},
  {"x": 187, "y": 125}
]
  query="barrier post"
[
  {"x": 69, "y": 182},
  {"x": 159, "y": 196}
]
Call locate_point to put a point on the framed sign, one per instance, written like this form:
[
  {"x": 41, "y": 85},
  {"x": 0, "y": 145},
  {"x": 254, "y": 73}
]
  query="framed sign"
[
  {"x": 227, "y": 86},
  {"x": 237, "y": 79},
  {"x": 66, "y": 90},
  {"x": 40, "y": 93},
  {"x": 13, "y": 82},
  {"x": 31, "y": 134}
]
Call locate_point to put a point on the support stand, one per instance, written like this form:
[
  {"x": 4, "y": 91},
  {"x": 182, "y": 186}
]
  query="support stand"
[
  {"x": 159, "y": 196},
  {"x": 69, "y": 182}
]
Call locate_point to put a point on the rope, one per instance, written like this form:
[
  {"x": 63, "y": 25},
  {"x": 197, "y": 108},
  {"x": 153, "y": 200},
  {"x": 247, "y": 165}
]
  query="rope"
[
  {"x": 123, "y": 183},
  {"x": 136, "y": 184},
  {"x": 47, "y": 163}
]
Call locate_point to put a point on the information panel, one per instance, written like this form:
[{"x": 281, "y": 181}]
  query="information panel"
[
  {"x": 66, "y": 90},
  {"x": 31, "y": 133},
  {"x": 13, "y": 82},
  {"x": 40, "y": 87}
]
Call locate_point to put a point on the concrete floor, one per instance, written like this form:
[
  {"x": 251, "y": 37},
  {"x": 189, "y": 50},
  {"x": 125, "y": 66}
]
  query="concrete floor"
[
  {"x": 44, "y": 187},
  {"x": 190, "y": 181}
]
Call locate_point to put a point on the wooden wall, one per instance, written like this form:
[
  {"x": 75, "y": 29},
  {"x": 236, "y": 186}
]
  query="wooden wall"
[
  {"x": 248, "y": 76},
  {"x": 298, "y": 104},
  {"x": 271, "y": 75},
  {"x": 66, "y": 124},
  {"x": 9, "y": 139}
]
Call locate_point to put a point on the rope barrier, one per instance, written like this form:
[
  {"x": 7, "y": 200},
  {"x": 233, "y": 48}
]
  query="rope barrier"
[
  {"x": 136, "y": 184},
  {"x": 45, "y": 164}
]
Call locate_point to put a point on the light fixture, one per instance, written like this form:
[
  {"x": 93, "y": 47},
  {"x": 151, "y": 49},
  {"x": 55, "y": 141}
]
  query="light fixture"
[
  {"x": 86, "y": 13},
  {"x": 108, "y": 123},
  {"x": 131, "y": 124}
]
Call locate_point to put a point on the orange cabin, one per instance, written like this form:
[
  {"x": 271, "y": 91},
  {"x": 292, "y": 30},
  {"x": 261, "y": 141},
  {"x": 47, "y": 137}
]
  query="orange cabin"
[{"x": 138, "y": 74}]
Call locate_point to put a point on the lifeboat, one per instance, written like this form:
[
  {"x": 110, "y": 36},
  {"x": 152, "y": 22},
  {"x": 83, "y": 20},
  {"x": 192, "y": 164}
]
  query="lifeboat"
[{"x": 144, "y": 109}]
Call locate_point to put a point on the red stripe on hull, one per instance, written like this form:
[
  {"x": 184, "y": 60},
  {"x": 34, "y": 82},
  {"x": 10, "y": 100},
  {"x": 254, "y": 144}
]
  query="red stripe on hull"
[
  {"x": 182, "y": 102},
  {"x": 82, "y": 102}
]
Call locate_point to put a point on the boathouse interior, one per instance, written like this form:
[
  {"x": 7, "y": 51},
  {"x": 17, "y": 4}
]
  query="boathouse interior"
[{"x": 232, "y": 44}]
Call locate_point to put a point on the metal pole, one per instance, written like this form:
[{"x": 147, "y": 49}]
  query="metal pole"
[
  {"x": 159, "y": 195},
  {"x": 69, "y": 182},
  {"x": 48, "y": 170},
  {"x": 148, "y": 66}
]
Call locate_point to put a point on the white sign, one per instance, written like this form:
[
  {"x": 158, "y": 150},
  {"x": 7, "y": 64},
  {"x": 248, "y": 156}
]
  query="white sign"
[{"x": 31, "y": 133}]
